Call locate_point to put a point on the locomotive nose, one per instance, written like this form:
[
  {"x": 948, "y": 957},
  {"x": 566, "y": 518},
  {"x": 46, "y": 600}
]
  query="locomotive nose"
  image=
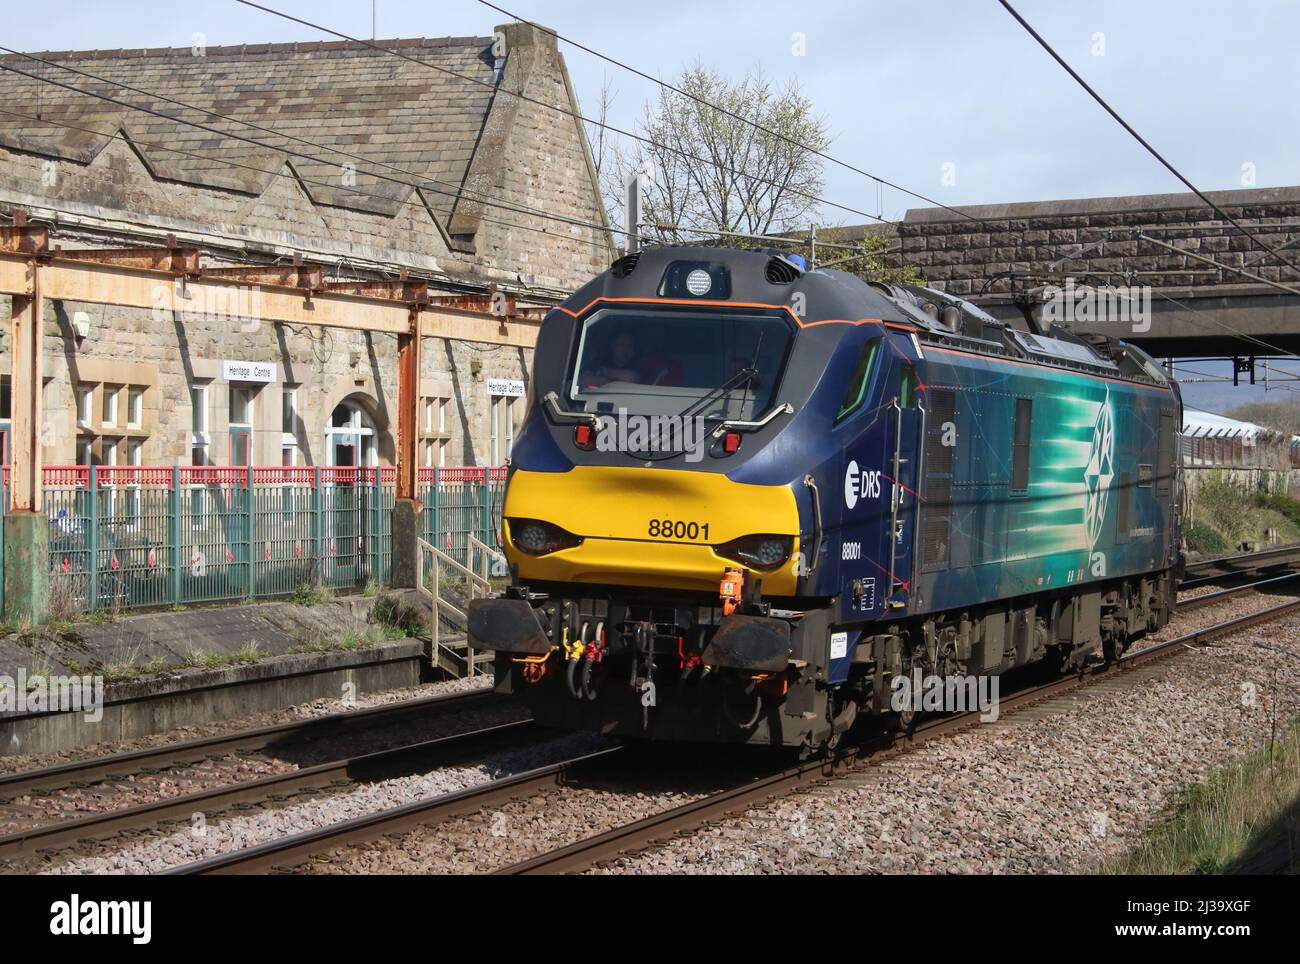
[{"x": 665, "y": 528}]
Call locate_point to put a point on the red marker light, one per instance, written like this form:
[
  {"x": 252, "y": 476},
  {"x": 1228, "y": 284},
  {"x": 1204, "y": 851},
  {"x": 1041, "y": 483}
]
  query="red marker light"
[
  {"x": 731, "y": 443},
  {"x": 584, "y": 436}
]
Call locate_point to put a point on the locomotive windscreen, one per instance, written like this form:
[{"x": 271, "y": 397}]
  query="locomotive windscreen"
[{"x": 710, "y": 362}]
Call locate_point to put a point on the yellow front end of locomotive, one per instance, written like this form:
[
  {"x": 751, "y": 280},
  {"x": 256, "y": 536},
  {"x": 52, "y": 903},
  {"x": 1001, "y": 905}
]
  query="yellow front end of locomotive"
[{"x": 657, "y": 528}]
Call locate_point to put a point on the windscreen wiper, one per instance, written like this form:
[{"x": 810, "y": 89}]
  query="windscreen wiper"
[{"x": 742, "y": 377}]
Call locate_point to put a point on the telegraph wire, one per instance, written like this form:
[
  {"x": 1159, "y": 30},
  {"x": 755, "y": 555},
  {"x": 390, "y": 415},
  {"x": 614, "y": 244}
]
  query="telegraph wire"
[
  {"x": 1136, "y": 136},
  {"x": 604, "y": 229},
  {"x": 576, "y": 115},
  {"x": 732, "y": 114}
]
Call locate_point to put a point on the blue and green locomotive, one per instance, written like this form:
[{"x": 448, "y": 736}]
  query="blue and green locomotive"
[{"x": 748, "y": 497}]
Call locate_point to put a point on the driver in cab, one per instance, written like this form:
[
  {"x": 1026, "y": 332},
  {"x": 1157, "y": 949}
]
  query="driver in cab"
[{"x": 623, "y": 365}]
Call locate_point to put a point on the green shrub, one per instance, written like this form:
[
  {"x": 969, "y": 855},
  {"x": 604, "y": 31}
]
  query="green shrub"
[
  {"x": 1282, "y": 504},
  {"x": 1204, "y": 540}
]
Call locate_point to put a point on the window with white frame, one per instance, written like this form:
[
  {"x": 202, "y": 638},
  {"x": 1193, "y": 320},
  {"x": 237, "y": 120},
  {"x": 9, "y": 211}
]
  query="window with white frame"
[
  {"x": 241, "y": 405},
  {"x": 503, "y": 428},
  {"x": 85, "y": 403},
  {"x": 289, "y": 410},
  {"x": 433, "y": 429},
  {"x": 131, "y": 492},
  {"x": 108, "y": 456},
  {"x": 134, "y": 406},
  {"x": 241, "y": 424},
  {"x": 120, "y": 406},
  {"x": 442, "y": 431},
  {"x": 110, "y": 393},
  {"x": 198, "y": 424},
  {"x": 288, "y": 495},
  {"x": 198, "y": 496},
  {"x": 289, "y": 425}
]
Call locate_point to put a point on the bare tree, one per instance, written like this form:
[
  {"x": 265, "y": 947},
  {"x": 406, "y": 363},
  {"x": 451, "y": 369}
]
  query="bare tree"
[
  {"x": 735, "y": 157},
  {"x": 709, "y": 171},
  {"x": 608, "y": 156}
]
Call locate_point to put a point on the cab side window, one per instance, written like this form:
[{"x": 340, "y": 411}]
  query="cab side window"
[
  {"x": 907, "y": 387},
  {"x": 857, "y": 390}
]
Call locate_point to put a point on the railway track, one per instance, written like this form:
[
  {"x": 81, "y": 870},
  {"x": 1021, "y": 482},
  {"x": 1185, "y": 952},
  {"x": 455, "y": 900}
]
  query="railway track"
[
  {"x": 1211, "y": 598},
  {"x": 421, "y": 813},
  {"x": 659, "y": 827},
  {"x": 290, "y": 851},
  {"x": 106, "y": 772},
  {"x": 115, "y": 774},
  {"x": 1206, "y": 571}
]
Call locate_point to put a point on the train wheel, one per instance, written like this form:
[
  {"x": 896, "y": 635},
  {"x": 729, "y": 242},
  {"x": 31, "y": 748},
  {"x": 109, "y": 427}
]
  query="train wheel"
[{"x": 917, "y": 658}]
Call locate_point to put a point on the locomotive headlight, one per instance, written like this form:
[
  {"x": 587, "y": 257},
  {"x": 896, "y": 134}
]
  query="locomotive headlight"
[
  {"x": 758, "y": 552},
  {"x": 537, "y": 538}
]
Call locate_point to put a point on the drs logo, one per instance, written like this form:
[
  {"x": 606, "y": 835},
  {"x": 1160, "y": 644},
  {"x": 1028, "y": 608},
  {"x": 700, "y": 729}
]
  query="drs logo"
[{"x": 860, "y": 484}]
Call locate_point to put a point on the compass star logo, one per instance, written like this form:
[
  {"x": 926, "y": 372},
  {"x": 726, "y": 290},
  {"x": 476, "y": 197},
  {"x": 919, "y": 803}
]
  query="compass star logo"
[{"x": 1100, "y": 471}]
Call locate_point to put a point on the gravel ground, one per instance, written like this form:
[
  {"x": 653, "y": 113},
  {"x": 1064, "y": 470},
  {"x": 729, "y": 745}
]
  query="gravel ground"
[
  {"x": 1050, "y": 793},
  {"x": 488, "y": 840},
  {"x": 301, "y": 711},
  {"x": 139, "y": 788},
  {"x": 1053, "y": 794},
  {"x": 156, "y": 851},
  {"x": 1186, "y": 594},
  {"x": 646, "y": 780}
]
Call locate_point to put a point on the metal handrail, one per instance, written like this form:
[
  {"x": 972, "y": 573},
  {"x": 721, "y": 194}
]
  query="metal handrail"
[{"x": 474, "y": 583}]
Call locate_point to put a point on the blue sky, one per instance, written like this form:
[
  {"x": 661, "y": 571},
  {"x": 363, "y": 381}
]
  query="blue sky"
[{"x": 906, "y": 88}]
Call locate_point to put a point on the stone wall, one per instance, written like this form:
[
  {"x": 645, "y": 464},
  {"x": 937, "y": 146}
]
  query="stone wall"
[
  {"x": 130, "y": 348},
  {"x": 1099, "y": 236},
  {"x": 523, "y": 155}
]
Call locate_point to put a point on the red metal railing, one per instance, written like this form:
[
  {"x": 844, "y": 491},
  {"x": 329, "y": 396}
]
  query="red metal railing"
[{"x": 108, "y": 476}]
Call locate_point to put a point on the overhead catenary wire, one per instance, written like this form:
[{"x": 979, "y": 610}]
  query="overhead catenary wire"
[
  {"x": 1220, "y": 265},
  {"x": 576, "y": 115},
  {"x": 522, "y": 210},
  {"x": 1135, "y": 135},
  {"x": 731, "y": 114},
  {"x": 1234, "y": 332},
  {"x": 260, "y": 170},
  {"x": 417, "y": 185},
  {"x": 422, "y": 182}
]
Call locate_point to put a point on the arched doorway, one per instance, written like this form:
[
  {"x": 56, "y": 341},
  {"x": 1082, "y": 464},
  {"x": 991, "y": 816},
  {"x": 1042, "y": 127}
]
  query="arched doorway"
[
  {"x": 350, "y": 436},
  {"x": 350, "y": 498}
]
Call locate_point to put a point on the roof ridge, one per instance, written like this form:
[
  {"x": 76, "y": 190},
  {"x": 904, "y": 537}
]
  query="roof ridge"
[{"x": 247, "y": 49}]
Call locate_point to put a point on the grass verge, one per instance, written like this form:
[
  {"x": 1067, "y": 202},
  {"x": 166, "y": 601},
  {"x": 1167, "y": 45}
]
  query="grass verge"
[{"x": 1245, "y": 818}]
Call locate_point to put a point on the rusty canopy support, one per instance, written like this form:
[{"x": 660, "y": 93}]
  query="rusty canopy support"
[
  {"x": 359, "y": 306},
  {"x": 25, "y": 393},
  {"x": 170, "y": 282},
  {"x": 181, "y": 261},
  {"x": 408, "y": 401},
  {"x": 310, "y": 276},
  {"x": 22, "y": 238}
]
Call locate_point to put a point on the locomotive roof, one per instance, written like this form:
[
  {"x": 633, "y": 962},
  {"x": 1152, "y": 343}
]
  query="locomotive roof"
[{"x": 769, "y": 278}]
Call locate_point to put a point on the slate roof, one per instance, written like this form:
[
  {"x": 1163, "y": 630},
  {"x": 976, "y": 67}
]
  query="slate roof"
[{"x": 335, "y": 94}]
